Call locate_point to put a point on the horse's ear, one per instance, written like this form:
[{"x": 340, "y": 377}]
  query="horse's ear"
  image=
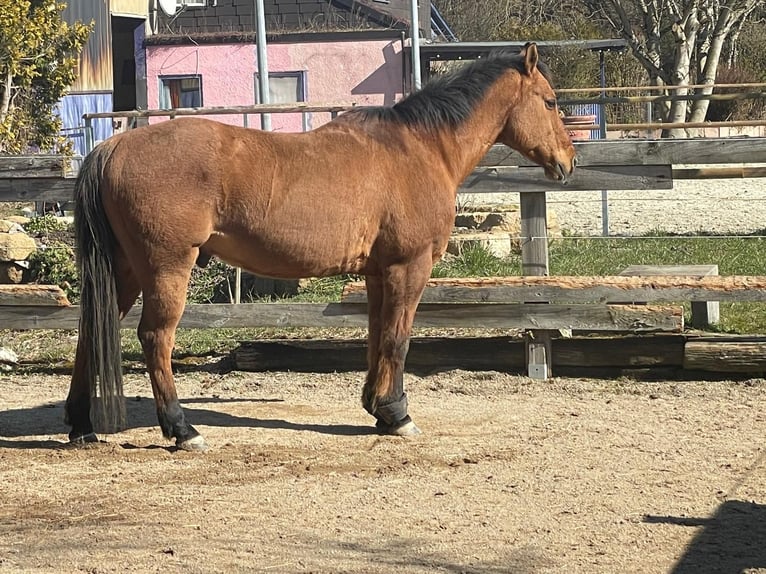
[{"x": 529, "y": 53}]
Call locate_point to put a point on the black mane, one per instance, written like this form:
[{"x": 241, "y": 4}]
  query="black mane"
[{"x": 447, "y": 101}]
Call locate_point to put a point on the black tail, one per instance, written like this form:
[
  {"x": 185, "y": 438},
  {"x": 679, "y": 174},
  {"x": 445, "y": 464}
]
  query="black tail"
[{"x": 99, "y": 336}]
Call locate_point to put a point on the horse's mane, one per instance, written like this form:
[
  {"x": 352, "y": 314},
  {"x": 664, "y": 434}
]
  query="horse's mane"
[{"x": 448, "y": 100}]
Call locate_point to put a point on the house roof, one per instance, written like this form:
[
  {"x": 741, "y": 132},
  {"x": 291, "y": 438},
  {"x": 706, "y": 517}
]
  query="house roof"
[{"x": 236, "y": 16}]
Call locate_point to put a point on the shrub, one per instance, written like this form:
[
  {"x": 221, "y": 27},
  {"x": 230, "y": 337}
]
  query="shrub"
[
  {"x": 44, "y": 225},
  {"x": 54, "y": 264}
]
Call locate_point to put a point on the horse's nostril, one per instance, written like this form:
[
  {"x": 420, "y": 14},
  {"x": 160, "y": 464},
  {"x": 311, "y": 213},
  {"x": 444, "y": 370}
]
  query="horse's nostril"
[{"x": 574, "y": 162}]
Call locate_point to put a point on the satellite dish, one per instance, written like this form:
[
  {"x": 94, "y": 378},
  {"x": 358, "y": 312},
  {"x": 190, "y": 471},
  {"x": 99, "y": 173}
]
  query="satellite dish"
[{"x": 168, "y": 6}]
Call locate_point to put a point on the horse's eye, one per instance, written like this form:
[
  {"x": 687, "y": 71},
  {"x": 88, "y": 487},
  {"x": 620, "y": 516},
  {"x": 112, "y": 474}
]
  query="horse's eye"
[{"x": 550, "y": 104}]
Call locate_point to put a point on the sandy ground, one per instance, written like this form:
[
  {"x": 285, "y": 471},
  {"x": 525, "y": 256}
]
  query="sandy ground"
[
  {"x": 723, "y": 206},
  {"x": 510, "y": 476}
]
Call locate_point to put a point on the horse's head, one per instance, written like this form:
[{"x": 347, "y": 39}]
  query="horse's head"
[{"x": 533, "y": 126}]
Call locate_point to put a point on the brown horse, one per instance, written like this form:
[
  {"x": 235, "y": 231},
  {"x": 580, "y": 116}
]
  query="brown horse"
[{"x": 372, "y": 192}]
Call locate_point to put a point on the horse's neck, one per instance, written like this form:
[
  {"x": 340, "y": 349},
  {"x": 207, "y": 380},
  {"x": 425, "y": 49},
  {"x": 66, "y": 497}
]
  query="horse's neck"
[{"x": 464, "y": 147}]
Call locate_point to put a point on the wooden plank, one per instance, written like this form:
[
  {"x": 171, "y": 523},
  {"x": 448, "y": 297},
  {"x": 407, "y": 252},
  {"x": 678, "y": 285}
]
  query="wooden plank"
[
  {"x": 32, "y": 166},
  {"x": 725, "y": 357},
  {"x": 645, "y": 152},
  {"x": 531, "y": 179},
  {"x": 45, "y": 295},
  {"x": 481, "y": 316},
  {"x": 624, "y": 352},
  {"x": 297, "y": 107},
  {"x": 585, "y": 289},
  {"x": 47, "y": 189},
  {"x": 719, "y": 172},
  {"x": 670, "y": 270},
  {"x": 428, "y": 354}
]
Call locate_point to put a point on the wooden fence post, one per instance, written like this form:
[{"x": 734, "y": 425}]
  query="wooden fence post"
[{"x": 534, "y": 261}]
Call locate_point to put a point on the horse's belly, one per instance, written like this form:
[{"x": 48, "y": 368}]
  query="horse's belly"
[{"x": 289, "y": 255}]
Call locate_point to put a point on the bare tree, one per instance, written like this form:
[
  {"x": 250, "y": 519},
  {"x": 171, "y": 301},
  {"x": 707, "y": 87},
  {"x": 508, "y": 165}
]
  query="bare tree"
[{"x": 678, "y": 42}]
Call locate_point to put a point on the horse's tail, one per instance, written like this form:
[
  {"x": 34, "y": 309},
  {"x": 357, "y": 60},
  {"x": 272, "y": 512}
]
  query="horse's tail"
[{"x": 99, "y": 336}]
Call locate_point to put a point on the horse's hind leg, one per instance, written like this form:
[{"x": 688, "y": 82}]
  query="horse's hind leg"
[
  {"x": 164, "y": 300},
  {"x": 392, "y": 301},
  {"x": 77, "y": 409}
]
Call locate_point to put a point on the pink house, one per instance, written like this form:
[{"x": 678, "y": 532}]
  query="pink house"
[
  {"x": 217, "y": 70},
  {"x": 203, "y": 53}
]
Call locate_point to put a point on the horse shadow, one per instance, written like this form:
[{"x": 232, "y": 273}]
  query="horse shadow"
[
  {"x": 48, "y": 418},
  {"x": 733, "y": 540}
]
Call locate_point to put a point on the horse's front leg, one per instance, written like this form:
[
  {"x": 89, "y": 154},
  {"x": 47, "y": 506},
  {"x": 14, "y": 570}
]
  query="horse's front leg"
[
  {"x": 163, "y": 306},
  {"x": 392, "y": 300}
]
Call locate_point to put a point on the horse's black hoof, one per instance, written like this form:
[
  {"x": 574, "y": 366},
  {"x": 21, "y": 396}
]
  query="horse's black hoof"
[{"x": 83, "y": 439}]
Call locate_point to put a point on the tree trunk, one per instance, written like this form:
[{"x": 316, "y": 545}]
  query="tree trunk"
[
  {"x": 685, "y": 34},
  {"x": 729, "y": 23},
  {"x": 5, "y": 102}
]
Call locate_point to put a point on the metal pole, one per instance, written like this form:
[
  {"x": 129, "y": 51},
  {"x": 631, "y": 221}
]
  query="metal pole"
[
  {"x": 602, "y": 135},
  {"x": 88, "y": 135},
  {"x": 263, "y": 85},
  {"x": 415, "y": 36},
  {"x": 263, "y": 67}
]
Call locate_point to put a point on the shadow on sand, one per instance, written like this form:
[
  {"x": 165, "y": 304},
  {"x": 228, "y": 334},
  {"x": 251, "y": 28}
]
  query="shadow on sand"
[
  {"x": 732, "y": 541},
  {"x": 48, "y": 418}
]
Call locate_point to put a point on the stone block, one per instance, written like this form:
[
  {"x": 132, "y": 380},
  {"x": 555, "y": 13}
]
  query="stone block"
[
  {"x": 8, "y": 226},
  {"x": 16, "y": 246},
  {"x": 11, "y": 273}
]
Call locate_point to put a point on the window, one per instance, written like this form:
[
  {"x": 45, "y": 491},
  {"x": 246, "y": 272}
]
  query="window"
[
  {"x": 284, "y": 88},
  {"x": 180, "y": 92}
]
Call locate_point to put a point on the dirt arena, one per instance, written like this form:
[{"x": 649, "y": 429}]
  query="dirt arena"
[{"x": 510, "y": 476}]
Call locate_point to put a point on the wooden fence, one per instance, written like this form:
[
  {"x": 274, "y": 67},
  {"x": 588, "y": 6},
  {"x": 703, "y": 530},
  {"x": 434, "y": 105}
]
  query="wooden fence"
[{"x": 572, "y": 303}]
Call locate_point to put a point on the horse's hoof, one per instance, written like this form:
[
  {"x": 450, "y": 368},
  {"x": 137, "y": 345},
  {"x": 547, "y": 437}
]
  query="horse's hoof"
[
  {"x": 194, "y": 444},
  {"x": 83, "y": 440},
  {"x": 408, "y": 429}
]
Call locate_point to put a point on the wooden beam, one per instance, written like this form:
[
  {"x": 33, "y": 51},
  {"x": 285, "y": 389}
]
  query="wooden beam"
[
  {"x": 645, "y": 152},
  {"x": 528, "y": 179},
  {"x": 45, "y": 295},
  {"x": 429, "y": 354},
  {"x": 34, "y": 166},
  {"x": 426, "y": 355},
  {"x": 585, "y": 289},
  {"x": 725, "y": 357},
  {"x": 631, "y": 318},
  {"x": 48, "y": 189},
  {"x": 719, "y": 172}
]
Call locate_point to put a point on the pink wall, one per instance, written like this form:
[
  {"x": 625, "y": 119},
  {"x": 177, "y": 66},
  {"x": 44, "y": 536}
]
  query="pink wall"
[{"x": 362, "y": 72}]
